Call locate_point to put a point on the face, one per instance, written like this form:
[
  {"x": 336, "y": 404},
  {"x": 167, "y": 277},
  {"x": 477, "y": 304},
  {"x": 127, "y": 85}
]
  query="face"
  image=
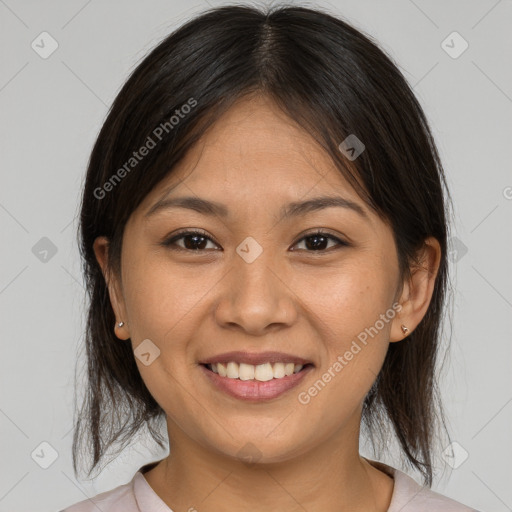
[{"x": 257, "y": 282}]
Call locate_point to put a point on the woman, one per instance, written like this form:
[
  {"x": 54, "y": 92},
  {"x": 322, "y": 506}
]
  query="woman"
[{"x": 264, "y": 237}]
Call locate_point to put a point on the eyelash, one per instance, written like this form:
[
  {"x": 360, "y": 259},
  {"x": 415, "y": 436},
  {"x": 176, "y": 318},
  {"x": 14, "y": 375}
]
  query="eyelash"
[{"x": 171, "y": 242}]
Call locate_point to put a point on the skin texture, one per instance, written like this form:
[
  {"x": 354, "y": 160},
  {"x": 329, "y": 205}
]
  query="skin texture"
[{"x": 307, "y": 302}]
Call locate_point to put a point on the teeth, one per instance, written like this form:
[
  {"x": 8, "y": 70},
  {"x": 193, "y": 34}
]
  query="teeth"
[
  {"x": 232, "y": 370},
  {"x": 263, "y": 372},
  {"x": 220, "y": 368},
  {"x": 278, "y": 370},
  {"x": 260, "y": 372},
  {"x": 245, "y": 371}
]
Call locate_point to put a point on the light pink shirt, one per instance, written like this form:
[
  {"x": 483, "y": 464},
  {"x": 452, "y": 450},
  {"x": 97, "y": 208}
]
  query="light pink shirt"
[{"x": 138, "y": 496}]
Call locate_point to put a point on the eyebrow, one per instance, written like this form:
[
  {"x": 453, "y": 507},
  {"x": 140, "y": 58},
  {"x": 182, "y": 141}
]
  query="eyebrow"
[{"x": 292, "y": 209}]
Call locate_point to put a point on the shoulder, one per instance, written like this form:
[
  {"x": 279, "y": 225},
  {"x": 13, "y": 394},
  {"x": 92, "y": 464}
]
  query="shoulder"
[
  {"x": 410, "y": 496},
  {"x": 119, "y": 499},
  {"x": 416, "y": 498}
]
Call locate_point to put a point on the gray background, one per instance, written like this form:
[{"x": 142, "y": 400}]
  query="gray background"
[{"x": 52, "y": 109}]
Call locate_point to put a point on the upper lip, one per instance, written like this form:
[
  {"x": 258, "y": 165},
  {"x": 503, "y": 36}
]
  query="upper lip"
[{"x": 255, "y": 358}]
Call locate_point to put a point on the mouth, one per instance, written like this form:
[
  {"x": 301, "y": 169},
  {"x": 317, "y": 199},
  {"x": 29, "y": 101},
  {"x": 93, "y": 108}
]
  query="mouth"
[
  {"x": 255, "y": 377},
  {"x": 261, "y": 372}
]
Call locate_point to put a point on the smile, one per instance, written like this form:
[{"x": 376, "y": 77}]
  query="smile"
[
  {"x": 257, "y": 377},
  {"x": 261, "y": 372}
]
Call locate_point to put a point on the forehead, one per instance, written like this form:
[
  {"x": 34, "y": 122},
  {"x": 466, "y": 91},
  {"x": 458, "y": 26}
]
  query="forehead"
[{"x": 254, "y": 152}]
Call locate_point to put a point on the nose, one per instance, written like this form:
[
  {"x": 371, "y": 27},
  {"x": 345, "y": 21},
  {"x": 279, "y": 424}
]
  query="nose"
[{"x": 256, "y": 297}]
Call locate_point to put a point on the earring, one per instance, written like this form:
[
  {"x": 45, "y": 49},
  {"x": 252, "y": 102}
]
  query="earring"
[
  {"x": 404, "y": 329},
  {"x": 120, "y": 324}
]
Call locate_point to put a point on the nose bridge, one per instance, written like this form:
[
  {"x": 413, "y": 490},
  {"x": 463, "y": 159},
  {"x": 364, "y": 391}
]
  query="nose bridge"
[
  {"x": 253, "y": 266},
  {"x": 255, "y": 295}
]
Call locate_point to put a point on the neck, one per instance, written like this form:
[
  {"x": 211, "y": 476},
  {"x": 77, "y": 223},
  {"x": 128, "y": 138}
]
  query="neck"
[{"x": 332, "y": 477}]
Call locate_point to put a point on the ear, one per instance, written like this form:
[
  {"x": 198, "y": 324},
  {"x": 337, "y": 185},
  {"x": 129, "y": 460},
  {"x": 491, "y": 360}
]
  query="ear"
[
  {"x": 417, "y": 290},
  {"x": 101, "y": 247}
]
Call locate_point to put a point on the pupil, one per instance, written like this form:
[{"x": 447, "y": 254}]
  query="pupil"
[
  {"x": 316, "y": 242},
  {"x": 193, "y": 245}
]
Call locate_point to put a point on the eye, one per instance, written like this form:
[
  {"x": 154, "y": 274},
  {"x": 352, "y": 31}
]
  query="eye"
[
  {"x": 193, "y": 240},
  {"x": 317, "y": 240},
  {"x": 197, "y": 240}
]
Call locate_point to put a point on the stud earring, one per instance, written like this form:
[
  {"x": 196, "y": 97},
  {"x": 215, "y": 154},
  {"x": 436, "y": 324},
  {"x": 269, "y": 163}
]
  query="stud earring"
[
  {"x": 405, "y": 330},
  {"x": 120, "y": 324}
]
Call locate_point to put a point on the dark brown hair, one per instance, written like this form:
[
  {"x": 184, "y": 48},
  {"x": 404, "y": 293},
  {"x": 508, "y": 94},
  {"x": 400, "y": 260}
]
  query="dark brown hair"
[{"x": 333, "y": 81}]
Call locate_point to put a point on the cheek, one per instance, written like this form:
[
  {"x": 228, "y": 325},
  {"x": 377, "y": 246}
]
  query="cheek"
[
  {"x": 353, "y": 297},
  {"x": 356, "y": 343},
  {"x": 354, "y": 312},
  {"x": 162, "y": 308},
  {"x": 161, "y": 300}
]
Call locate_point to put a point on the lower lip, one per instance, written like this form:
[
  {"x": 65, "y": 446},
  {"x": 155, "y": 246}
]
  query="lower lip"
[{"x": 254, "y": 390}]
